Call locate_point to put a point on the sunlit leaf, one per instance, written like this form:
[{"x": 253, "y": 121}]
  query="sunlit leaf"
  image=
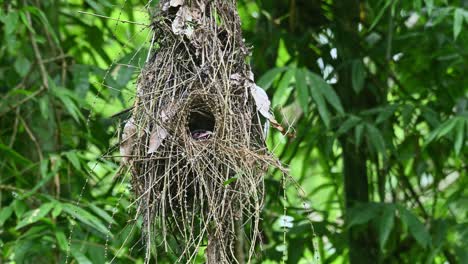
[{"x": 35, "y": 215}]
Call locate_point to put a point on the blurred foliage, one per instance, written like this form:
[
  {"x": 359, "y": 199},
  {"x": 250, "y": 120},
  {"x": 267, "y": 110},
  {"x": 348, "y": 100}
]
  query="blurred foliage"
[{"x": 377, "y": 92}]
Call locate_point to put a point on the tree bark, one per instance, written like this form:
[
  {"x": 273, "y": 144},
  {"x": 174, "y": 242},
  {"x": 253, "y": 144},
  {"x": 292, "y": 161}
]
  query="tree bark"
[{"x": 213, "y": 251}]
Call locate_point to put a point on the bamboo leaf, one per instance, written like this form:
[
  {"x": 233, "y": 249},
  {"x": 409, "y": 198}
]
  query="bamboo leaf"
[
  {"x": 302, "y": 91},
  {"x": 457, "y": 22},
  {"x": 321, "y": 106},
  {"x": 459, "y": 137},
  {"x": 35, "y": 215},
  {"x": 267, "y": 79},
  {"x": 61, "y": 240},
  {"x": 351, "y": 122},
  {"x": 415, "y": 227},
  {"x": 5, "y": 213},
  {"x": 358, "y": 75},
  {"x": 86, "y": 218},
  {"x": 327, "y": 91},
  {"x": 376, "y": 139},
  {"x": 361, "y": 214},
  {"x": 385, "y": 224}
]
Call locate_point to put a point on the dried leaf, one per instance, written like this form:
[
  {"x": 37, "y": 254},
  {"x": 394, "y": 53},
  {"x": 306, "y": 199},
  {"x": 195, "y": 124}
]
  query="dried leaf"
[
  {"x": 168, "y": 112},
  {"x": 128, "y": 139},
  {"x": 263, "y": 106},
  {"x": 261, "y": 101},
  {"x": 183, "y": 16},
  {"x": 157, "y": 137},
  {"x": 236, "y": 79},
  {"x": 176, "y": 3}
]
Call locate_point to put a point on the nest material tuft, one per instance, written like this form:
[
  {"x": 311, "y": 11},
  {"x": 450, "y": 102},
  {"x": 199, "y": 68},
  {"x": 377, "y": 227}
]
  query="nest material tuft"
[{"x": 195, "y": 140}]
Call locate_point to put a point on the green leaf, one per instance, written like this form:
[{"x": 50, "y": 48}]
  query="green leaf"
[
  {"x": 286, "y": 79},
  {"x": 57, "y": 209},
  {"x": 85, "y": 217},
  {"x": 20, "y": 207},
  {"x": 442, "y": 130},
  {"x": 358, "y": 75},
  {"x": 81, "y": 79},
  {"x": 267, "y": 79},
  {"x": 351, "y": 122},
  {"x": 361, "y": 214},
  {"x": 103, "y": 214},
  {"x": 78, "y": 255},
  {"x": 429, "y": 6},
  {"x": 460, "y": 135},
  {"x": 457, "y": 22},
  {"x": 229, "y": 181},
  {"x": 13, "y": 155},
  {"x": 43, "y": 18},
  {"x": 35, "y": 215},
  {"x": 385, "y": 224},
  {"x": 97, "y": 7},
  {"x": 385, "y": 113},
  {"x": 358, "y": 134},
  {"x": 73, "y": 158},
  {"x": 46, "y": 177},
  {"x": 327, "y": 91},
  {"x": 302, "y": 91},
  {"x": 68, "y": 99},
  {"x": 61, "y": 240},
  {"x": 321, "y": 106},
  {"x": 22, "y": 66},
  {"x": 415, "y": 227},
  {"x": 5, "y": 213},
  {"x": 380, "y": 14},
  {"x": 376, "y": 139},
  {"x": 11, "y": 22},
  {"x": 284, "y": 89}
]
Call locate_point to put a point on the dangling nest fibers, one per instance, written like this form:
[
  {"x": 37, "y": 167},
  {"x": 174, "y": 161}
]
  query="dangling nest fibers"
[{"x": 195, "y": 141}]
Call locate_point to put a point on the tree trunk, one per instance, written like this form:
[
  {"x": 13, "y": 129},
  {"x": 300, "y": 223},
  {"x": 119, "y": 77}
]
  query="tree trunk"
[
  {"x": 213, "y": 251},
  {"x": 363, "y": 246}
]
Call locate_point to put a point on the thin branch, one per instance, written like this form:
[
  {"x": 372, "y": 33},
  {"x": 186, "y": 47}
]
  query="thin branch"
[
  {"x": 37, "y": 54},
  {"x": 33, "y": 138},
  {"x": 119, "y": 20}
]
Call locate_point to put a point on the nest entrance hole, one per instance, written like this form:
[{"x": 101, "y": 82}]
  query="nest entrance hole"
[{"x": 201, "y": 121}]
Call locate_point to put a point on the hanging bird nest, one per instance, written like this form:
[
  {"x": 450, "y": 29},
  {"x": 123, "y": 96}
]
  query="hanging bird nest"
[{"x": 195, "y": 142}]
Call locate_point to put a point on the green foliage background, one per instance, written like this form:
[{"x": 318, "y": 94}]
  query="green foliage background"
[{"x": 377, "y": 92}]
